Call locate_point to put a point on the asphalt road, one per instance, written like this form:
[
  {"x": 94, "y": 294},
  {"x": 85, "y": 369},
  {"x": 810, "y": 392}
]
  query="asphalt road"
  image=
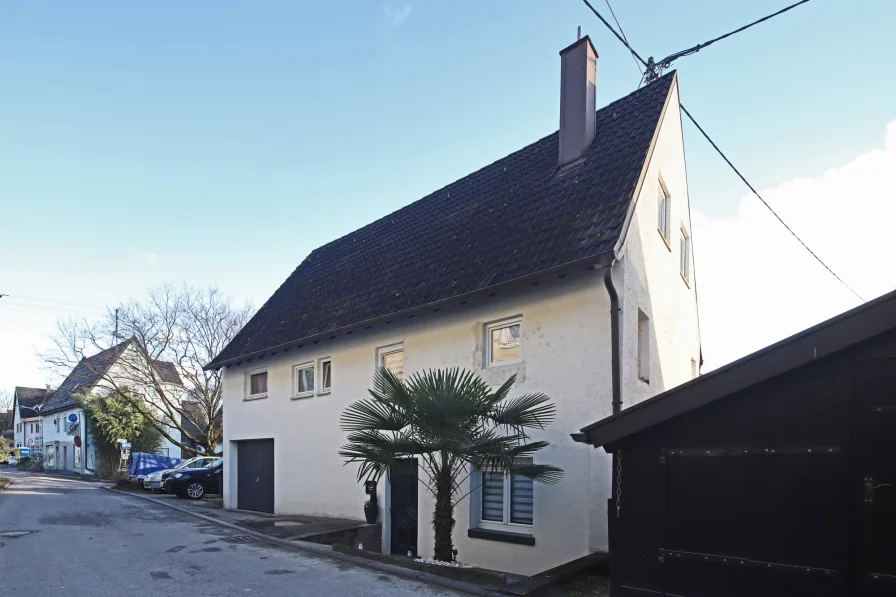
[{"x": 68, "y": 537}]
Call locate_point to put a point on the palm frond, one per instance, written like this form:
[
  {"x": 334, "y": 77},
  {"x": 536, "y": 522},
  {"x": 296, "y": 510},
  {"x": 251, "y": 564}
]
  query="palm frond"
[
  {"x": 533, "y": 411},
  {"x": 373, "y": 414},
  {"x": 540, "y": 473}
]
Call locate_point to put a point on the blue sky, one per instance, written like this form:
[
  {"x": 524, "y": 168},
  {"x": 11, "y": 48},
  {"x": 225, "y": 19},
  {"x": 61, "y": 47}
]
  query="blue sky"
[{"x": 220, "y": 142}]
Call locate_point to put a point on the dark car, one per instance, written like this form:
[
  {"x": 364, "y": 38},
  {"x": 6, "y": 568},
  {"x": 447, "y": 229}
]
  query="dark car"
[{"x": 195, "y": 483}]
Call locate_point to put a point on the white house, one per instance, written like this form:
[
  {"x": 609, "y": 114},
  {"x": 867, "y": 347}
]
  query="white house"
[
  {"x": 567, "y": 263},
  {"x": 26, "y": 418},
  {"x": 67, "y": 444}
]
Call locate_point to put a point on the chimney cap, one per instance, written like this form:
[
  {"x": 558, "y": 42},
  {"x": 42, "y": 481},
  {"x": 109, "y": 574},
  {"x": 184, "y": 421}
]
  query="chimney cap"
[{"x": 576, "y": 43}]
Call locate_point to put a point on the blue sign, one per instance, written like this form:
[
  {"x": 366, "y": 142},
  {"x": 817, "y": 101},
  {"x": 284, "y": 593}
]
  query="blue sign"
[
  {"x": 73, "y": 418},
  {"x": 126, "y": 446}
]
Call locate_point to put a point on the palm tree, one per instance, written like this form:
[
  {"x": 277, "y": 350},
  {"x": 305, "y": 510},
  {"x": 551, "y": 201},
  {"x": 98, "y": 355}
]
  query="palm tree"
[{"x": 455, "y": 424}]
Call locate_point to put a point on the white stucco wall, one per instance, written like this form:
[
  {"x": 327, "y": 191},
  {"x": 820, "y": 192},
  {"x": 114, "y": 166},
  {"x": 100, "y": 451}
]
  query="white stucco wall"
[
  {"x": 64, "y": 444},
  {"x": 565, "y": 348},
  {"x": 651, "y": 269}
]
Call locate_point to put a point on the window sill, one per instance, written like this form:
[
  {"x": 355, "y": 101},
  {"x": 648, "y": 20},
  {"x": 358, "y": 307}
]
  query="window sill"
[
  {"x": 303, "y": 396},
  {"x": 255, "y": 397},
  {"x": 663, "y": 236},
  {"x": 323, "y": 392},
  {"x": 502, "y": 536}
]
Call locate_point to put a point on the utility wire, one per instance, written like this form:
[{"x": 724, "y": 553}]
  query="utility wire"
[
  {"x": 665, "y": 62},
  {"x": 765, "y": 203},
  {"x": 716, "y": 147},
  {"x": 624, "y": 38}
]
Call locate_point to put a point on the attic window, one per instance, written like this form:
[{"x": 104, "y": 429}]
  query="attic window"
[
  {"x": 684, "y": 257},
  {"x": 664, "y": 203}
]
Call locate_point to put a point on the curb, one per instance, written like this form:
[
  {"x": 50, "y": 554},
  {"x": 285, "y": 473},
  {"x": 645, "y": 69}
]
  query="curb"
[{"x": 326, "y": 551}]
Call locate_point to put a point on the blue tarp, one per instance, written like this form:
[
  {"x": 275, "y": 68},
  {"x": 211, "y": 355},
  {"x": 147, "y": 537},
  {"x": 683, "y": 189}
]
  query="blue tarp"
[{"x": 142, "y": 464}]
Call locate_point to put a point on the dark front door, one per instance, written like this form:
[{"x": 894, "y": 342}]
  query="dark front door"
[
  {"x": 403, "y": 507},
  {"x": 875, "y": 384},
  {"x": 255, "y": 475}
]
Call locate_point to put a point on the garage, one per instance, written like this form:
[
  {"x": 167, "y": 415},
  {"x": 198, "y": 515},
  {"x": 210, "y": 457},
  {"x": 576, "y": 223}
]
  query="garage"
[
  {"x": 255, "y": 475},
  {"x": 773, "y": 476}
]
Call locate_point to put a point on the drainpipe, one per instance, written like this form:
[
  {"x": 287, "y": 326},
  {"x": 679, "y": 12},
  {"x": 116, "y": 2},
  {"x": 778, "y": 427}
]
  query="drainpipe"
[{"x": 615, "y": 340}]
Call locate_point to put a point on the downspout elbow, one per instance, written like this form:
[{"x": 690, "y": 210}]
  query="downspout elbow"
[{"x": 615, "y": 338}]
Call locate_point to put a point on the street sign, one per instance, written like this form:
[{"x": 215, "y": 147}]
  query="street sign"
[
  {"x": 73, "y": 418},
  {"x": 126, "y": 446},
  {"x": 30, "y": 441}
]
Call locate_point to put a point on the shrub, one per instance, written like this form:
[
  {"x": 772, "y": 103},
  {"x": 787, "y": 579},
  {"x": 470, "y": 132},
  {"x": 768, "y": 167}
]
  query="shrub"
[
  {"x": 120, "y": 478},
  {"x": 30, "y": 464}
]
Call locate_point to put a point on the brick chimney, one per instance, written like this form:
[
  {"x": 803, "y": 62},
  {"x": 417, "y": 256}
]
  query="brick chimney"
[{"x": 578, "y": 75}]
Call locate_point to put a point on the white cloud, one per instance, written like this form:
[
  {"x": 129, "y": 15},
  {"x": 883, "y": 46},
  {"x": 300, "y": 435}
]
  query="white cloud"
[
  {"x": 757, "y": 284},
  {"x": 397, "y": 17},
  {"x": 150, "y": 257}
]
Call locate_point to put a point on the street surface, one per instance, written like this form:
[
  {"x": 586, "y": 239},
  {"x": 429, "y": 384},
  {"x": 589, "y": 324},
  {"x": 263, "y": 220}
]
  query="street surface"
[{"x": 63, "y": 536}]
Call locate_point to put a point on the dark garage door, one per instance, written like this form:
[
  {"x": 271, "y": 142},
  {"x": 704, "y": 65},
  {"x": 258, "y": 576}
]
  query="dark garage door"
[{"x": 255, "y": 475}]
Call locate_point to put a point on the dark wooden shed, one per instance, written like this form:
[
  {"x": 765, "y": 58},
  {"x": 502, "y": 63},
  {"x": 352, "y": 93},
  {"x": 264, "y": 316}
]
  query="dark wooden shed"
[{"x": 774, "y": 475}]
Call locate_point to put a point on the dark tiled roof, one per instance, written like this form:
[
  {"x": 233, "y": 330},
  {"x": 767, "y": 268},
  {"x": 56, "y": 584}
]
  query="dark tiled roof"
[
  {"x": 82, "y": 378},
  {"x": 28, "y": 399},
  {"x": 168, "y": 372},
  {"x": 515, "y": 218}
]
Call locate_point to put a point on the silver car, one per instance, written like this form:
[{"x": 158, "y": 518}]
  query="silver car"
[{"x": 155, "y": 480}]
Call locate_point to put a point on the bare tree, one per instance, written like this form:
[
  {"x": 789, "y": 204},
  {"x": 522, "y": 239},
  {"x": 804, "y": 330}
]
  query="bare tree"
[
  {"x": 151, "y": 352},
  {"x": 5, "y": 400}
]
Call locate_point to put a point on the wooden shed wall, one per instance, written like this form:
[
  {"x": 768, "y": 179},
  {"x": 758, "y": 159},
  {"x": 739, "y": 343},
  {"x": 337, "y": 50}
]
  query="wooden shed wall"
[{"x": 765, "y": 476}]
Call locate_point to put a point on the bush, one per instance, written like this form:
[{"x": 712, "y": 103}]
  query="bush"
[
  {"x": 120, "y": 478},
  {"x": 30, "y": 464}
]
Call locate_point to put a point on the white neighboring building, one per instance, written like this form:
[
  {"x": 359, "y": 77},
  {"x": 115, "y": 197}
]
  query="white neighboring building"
[
  {"x": 67, "y": 445},
  {"x": 509, "y": 270},
  {"x": 26, "y": 418}
]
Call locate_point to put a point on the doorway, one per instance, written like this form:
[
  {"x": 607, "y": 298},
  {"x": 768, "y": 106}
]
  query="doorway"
[
  {"x": 403, "y": 510},
  {"x": 255, "y": 475}
]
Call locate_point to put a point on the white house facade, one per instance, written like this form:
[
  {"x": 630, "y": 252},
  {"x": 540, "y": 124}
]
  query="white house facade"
[
  {"x": 26, "y": 418},
  {"x": 67, "y": 444},
  {"x": 598, "y": 209}
]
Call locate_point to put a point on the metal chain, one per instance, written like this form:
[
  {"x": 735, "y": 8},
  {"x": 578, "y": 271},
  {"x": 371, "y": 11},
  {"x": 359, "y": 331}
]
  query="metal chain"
[{"x": 618, "y": 482}]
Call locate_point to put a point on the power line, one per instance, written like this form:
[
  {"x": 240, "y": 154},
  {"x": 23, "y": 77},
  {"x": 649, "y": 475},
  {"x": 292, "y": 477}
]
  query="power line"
[
  {"x": 624, "y": 38},
  {"x": 765, "y": 203},
  {"x": 716, "y": 147},
  {"x": 665, "y": 62}
]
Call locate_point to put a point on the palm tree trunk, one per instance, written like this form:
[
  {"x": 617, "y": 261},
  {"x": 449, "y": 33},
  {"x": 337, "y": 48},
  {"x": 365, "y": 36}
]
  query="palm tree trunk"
[{"x": 443, "y": 516}]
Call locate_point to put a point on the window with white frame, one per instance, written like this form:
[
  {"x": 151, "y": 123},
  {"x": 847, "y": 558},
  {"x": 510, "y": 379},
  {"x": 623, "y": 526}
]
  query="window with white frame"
[
  {"x": 391, "y": 358},
  {"x": 503, "y": 342},
  {"x": 326, "y": 375},
  {"x": 257, "y": 383},
  {"x": 643, "y": 346},
  {"x": 664, "y": 203},
  {"x": 506, "y": 501},
  {"x": 684, "y": 245},
  {"x": 303, "y": 377}
]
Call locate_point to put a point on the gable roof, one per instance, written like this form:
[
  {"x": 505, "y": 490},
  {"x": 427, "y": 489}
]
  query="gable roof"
[
  {"x": 838, "y": 333},
  {"x": 518, "y": 217},
  {"x": 88, "y": 372},
  {"x": 28, "y": 399}
]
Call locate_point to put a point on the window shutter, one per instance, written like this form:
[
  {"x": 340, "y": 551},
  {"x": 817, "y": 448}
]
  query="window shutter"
[
  {"x": 521, "y": 499},
  {"x": 493, "y": 497}
]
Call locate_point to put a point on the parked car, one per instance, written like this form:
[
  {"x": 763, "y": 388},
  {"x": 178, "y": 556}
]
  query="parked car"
[
  {"x": 154, "y": 481},
  {"x": 195, "y": 483}
]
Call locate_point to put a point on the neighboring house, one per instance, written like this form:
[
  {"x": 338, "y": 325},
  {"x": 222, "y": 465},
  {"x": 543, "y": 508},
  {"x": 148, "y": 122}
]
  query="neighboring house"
[
  {"x": 26, "y": 417},
  {"x": 774, "y": 475},
  {"x": 553, "y": 264},
  {"x": 67, "y": 445}
]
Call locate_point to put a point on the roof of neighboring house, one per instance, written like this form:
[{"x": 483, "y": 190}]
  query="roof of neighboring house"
[
  {"x": 195, "y": 413},
  {"x": 847, "y": 329},
  {"x": 518, "y": 217},
  {"x": 28, "y": 399},
  {"x": 90, "y": 370}
]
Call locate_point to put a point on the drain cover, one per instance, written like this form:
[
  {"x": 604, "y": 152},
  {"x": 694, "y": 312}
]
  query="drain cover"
[{"x": 239, "y": 539}]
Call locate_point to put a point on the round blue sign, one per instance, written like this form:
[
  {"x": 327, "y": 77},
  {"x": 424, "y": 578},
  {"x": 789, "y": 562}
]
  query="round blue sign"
[{"x": 73, "y": 418}]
